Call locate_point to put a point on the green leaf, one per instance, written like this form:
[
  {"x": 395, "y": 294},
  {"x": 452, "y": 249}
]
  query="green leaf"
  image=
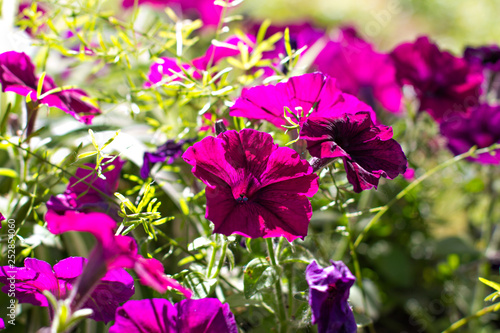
[
  {"x": 40, "y": 85},
  {"x": 492, "y": 284},
  {"x": 8, "y": 173},
  {"x": 259, "y": 274},
  {"x": 91, "y": 153},
  {"x": 199, "y": 284}
]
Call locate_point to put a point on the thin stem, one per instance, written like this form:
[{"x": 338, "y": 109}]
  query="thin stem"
[
  {"x": 455, "y": 326},
  {"x": 407, "y": 189},
  {"x": 211, "y": 263},
  {"x": 222, "y": 258},
  {"x": 279, "y": 293}
]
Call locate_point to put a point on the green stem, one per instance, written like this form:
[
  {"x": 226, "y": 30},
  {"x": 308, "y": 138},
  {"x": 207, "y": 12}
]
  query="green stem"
[
  {"x": 476, "y": 315},
  {"x": 222, "y": 258},
  {"x": 484, "y": 266},
  {"x": 281, "y": 314},
  {"x": 211, "y": 263},
  {"x": 407, "y": 189}
]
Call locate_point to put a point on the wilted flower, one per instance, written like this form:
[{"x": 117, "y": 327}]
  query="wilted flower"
[
  {"x": 254, "y": 188},
  {"x": 215, "y": 53},
  {"x": 168, "y": 152},
  {"x": 360, "y": 70},
  {"x": 110, "y": 251},
  {"x": 87, "y": 191},
  {"x": 187, "y": 316},
  {"x": 444, "y": 84},
  {"x": 368, "y": 151},
  {"x": 300, "y": 94},
  {"x": 115, "y": 287},
  {"x": 328, "y": 295},
  {"x": 480, "y": 128}
]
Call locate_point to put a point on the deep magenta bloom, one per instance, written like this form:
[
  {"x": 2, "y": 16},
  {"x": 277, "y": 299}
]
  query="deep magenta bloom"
[
  {"x": 368, "y": 151},
  {"x": 481, "y": 128},
  {"x": 111, "y": 251},
  {"x": 2, "y": 324},
  {"x": 303, "y": 92},
  {"x": 93, "y": 193},
  {"x": 115, "y": 287},
  {"x": 360, "y": 70},
  {"x": 209, "y": 13},
  {"x": 486, "y": 56},
  {"x": 328, "y": 294},
  {"x": 188, "y": 316},
  {"x": 254, "y": 188},
  {"x": 17, "y": 74},
  {"x": 167, "y": 67},
  {"x": 27, "y": 4},
  {"x": 169, "y": 151},
  {"x": 444, "y": 84}
]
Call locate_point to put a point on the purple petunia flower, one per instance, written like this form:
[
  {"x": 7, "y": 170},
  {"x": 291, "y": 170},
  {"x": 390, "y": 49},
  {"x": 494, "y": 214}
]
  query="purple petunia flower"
[
  {"x": 301, "y": 35},
  {"x": 368, "y": 151},
  {"x": 17, "y": 74},
  {"x": 169, "y": 151},
  {"x": 360, "y": 70},
  {"x": 300, "y": 93},
  {"x": 25, "y": 5},
  {"x": 444, "y": 84},
  {"x": 111, "y": 251},
  {"x": 254, "y": 188},
  {"x": 328, "y": 295},
  {"x": 209, "y": 13},
  {"x": 480, "y": 128},
  {"x": 2, "y": 324},
  {"x": 115, "y": 287},
  {"x": 2, "y": 218},
  {"x": 93, "y": 192},
  {"x": 168, "y": 66},
  {"x": 486, "y": 56},
  {"x": 187, "y": 316}
]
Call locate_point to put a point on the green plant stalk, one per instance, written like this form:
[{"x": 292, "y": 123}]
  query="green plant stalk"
[
  {"x": 211, "y": 263},
  {"x": 484, "y": 266},
  {"x": 417, "y": 181},
  {"x": 455, "y": 326},
  {"x": 281, "y": 313},
  {"x": 222, "y": 258}
]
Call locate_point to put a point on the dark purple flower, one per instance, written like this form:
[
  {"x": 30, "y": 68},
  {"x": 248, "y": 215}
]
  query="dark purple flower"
[
  {"x": 360, "y": 70},
  {"x": 300, "y": 93},
  {"x": 93, "y": 192},
  {"x": 209, "y": 13},
  {"x": 167, "y": 67},
  {"x": 115, "y": 287},
  {"x": 169, "y": 151},
  {"x": 444, "y": 84},
  {"x": 17, "y": 74},
  {"x": 328, "y": 295},
  {"x": 188, "y": 316},
  {"x": 111, "y": 251},
  {"x": 486, "y": 56},
  {"x": 481, "y": 128},
  {"x": 367, "y": 150},
  {"x": 254, "y": 188}
]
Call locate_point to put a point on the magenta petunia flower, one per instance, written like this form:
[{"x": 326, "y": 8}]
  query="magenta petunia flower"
[
  {"x": 165, "y": 68},
  {"x": 254, "y": 188},
  {"x": 328, "y": 294},
  {"x": 486, "y": 56},
  {"x": 169, "y": 151},
  {"x": 187, "y": 316},
  {"x": 25, "y": 5},
  {"x": 360, "y": 70},
  {"x": 368, "y": 151},
  {"x": 444, "y": 84},
  {"x": 209, "y": 13},
  {"x": 2, "y": 324},
  {"x": 115, "y": 287},
  {"x": 111, "y": 251},
  {"x": 17, "y": 74},
  {"x": 93, "y": 193},
  {"x": 480, "y": 128},
  {"x": 300, "y": 93}
]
